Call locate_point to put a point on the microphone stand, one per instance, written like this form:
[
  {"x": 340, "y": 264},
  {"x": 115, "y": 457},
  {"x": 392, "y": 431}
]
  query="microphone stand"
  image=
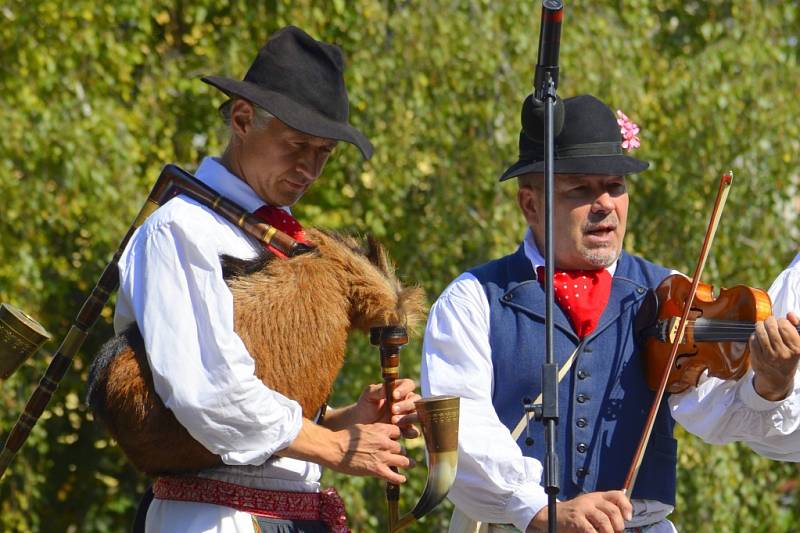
[
  {"x": 549, "y": 409},
  {"x": 545, "y": 83}
]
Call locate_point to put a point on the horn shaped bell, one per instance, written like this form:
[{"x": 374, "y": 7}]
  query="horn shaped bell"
[
  {"x": 438, "y": 417},
  {"x": 20, "y": 337}
]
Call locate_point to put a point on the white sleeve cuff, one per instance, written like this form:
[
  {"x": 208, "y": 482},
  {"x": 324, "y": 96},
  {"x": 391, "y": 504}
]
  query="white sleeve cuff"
[
  {"x": 524, "y": 504},
  {"x": 289, "y": 430},
  {"x": 749, "y": 396}
]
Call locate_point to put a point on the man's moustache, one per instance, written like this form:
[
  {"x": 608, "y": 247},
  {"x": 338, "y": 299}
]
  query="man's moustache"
[{"x": 610, "y": 224}]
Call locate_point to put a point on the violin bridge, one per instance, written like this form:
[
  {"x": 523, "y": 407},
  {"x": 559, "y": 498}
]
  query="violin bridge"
[
  {"x": 672, "y": 329},
  {"x": 667, "y": 330}
]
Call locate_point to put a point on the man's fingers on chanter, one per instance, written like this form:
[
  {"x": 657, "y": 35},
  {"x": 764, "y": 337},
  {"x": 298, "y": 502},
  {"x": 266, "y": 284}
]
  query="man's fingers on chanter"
[
  {"x": 391, "y": 476},
  {"x": 390, "y": 430},
  {"x": 406, "y": 405},
  {"x": 403, "y": 406},
  {"x": 409, "y": 432},
  {"x": 375, "y": 391},
  {"x": 404, "y": 387},
  {"x": 399, "y": 460},
  {"x": 405, "y": 421},
  {"x": 396, "y": 458},
  {"x": 391, "y": 446},
  {"x": 414, "y": 397}
]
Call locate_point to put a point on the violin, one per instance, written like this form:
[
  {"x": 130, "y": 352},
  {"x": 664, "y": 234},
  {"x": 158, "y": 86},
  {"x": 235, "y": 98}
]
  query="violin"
[
  {"x": 679, "y": 331},
  {"x": 716, "y": 335},
  {"x": 687, "y": 331}
]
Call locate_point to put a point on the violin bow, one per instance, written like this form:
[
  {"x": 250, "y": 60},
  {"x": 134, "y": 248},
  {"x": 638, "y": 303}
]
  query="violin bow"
[{"x": 716, "y": 214}]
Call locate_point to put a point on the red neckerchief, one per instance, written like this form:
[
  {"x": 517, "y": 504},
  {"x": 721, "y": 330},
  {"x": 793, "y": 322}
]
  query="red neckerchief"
[
  {"x": 582, "y": 295},
  {"x": 282, "y": 221}
]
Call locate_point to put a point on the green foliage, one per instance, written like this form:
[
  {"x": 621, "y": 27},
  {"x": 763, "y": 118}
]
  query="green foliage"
[{"x": 95, "y": 97}]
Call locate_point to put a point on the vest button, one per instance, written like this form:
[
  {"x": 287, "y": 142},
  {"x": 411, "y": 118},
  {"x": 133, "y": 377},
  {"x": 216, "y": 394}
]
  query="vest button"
[
  {"x": 587, "y": 349},
  {"x": 507, "y": 297},
  {"x": 582, "y": 398},
  {"x": 640, "y": 290},
  {"x": 582, "y": 374},
  {"x": 582, "y": 472},
  {"x": 581, "y": 422},
  {"x": 581, "y": 448}
]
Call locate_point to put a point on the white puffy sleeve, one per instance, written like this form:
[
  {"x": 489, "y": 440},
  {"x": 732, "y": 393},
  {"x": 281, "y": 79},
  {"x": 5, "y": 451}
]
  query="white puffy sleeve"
[
  {"x": 495, "y": 482},
  {"x": 171, "y": 283}
]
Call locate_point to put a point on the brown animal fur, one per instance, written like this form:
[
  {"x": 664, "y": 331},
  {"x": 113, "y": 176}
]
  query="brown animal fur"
[{"x": 293, "y": 316}]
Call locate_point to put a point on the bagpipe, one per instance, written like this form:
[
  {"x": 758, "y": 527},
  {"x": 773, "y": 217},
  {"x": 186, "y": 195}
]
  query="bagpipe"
[{"x": 370, "y": 298}]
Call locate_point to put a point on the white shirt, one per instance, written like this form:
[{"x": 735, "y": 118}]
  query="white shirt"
[
  {"x": 495, "y": 482},
  {"x": 785, "y": 290},
  {"x": 171, "y": 285}
]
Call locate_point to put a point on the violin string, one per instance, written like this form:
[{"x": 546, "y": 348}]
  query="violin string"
[
  {"x": 731, "y": 330},
  {"x": 723, "y": 327}
]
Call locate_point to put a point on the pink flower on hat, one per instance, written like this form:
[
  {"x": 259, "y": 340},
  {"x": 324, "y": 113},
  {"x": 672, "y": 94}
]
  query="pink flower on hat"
[{"x": 629, "y": 131}]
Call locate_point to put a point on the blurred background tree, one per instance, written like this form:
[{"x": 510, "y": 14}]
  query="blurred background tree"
[{"x": 96, "y": 96}]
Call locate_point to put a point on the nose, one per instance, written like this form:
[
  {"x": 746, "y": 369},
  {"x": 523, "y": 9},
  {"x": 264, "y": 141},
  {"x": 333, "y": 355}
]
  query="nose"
[
  {"x": 309, "y": 164},
  {"x": 603, "y": 203},
  {"x": 304, "y": 166}
]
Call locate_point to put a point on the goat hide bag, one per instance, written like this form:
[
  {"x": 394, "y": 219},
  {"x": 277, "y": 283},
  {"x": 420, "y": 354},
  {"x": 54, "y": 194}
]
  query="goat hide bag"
[{"x": 293, "y": 316}]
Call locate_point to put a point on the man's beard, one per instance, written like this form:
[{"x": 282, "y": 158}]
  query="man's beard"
[
  {"x": 604, "y": 256},
  {"x": 600, "y": 257}
]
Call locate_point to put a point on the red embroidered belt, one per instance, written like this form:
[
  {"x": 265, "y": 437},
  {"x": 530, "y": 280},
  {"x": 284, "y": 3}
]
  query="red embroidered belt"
[{"x": 325, "y": 506}]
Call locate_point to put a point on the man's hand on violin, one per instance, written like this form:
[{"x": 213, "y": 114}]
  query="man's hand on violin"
[
  {"x": 774, "y": 355},
  {"x": 603, "y": 512}
]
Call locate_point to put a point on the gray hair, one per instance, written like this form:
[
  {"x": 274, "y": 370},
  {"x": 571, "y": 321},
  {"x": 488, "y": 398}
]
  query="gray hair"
[
  {"x": 534, "y": 180},
  {"x": 260, "y": 119}
]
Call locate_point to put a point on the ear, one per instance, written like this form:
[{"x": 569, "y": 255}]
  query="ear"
[
  {"x": 242, "y": 114},
  {"x": 529, "y": 201}
]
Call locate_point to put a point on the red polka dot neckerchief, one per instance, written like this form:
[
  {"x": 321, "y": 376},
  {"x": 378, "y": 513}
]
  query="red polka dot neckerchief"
[{"x": 582, "y": 295}]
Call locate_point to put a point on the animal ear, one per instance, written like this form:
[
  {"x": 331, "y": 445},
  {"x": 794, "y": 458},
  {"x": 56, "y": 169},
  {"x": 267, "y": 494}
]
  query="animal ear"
[
  {"x": 412, "y": 306},
  {"x": 376, "y": 254},
  {"x": 233, "y": 267}
]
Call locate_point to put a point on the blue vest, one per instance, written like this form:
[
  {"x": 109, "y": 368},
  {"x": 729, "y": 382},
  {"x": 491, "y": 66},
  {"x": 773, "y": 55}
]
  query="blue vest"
[{"x": 603, "y": 401}]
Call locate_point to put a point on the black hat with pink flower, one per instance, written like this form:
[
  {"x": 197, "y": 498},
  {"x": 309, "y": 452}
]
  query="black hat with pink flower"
[{"x": 592, "y": 141}]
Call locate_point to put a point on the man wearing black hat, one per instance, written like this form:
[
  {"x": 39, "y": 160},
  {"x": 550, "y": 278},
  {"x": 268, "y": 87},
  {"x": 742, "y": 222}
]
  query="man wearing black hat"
[
  {"x": 285, "y": 119},
  {"x": 485, "y": 341}
]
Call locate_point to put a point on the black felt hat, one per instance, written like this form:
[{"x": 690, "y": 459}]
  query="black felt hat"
[
  {"x": 589, "y": 143},
  {"x": 300, "y": 81}
]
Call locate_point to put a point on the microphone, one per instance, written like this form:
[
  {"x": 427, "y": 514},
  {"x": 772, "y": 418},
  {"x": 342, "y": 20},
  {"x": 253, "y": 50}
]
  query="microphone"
[
  {"x": 532, "y": 116},
  {"x": 549, "y": 44}
]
